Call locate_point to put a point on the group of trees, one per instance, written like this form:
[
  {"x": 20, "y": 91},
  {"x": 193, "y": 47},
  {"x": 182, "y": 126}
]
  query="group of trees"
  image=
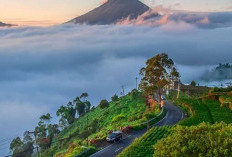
[
  {"x": 45, "y": 131},
  {"x": 22, "y": 147},
  {"x": 68, "y": 113}
]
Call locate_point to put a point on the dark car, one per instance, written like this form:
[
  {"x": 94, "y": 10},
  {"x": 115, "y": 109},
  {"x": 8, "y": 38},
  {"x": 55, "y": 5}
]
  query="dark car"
[{"x": 114, "y": 136}]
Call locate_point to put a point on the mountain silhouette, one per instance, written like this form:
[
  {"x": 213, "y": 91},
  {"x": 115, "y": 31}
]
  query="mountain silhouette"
[{"x": 111, "y": 12}]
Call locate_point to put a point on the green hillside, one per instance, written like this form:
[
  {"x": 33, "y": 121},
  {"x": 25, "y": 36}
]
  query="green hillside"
[
  {"x": 127, "y": 110},
  {"x": 212, "y": 107},
  {"x": 143, "y": 147}
]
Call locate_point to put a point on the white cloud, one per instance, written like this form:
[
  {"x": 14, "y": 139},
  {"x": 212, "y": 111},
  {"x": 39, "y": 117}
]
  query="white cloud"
[{"x": 43, "y": 68}]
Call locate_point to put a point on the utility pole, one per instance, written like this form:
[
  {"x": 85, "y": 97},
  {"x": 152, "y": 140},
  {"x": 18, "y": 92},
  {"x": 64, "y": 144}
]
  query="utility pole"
[
  {"x": 123, "y": 91},
  {"x": 35, "y": 135},
  {"x": 87, "y": 122},
  {"x": 136, "y": 80},
  {"x": 178, "y": 95}
]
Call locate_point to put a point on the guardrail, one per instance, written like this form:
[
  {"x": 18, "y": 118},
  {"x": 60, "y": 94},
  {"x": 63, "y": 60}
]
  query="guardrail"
[{"x": 161, "y": 112}]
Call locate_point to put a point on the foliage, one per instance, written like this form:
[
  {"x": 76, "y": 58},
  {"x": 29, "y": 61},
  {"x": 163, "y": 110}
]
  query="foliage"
[
  {"x": 201, "y": 110},
  {"x": 80, "y": 106},
  {"x": 157, "y": 74},
  {"x": 193, "y": 83},
  {"x": 72, "y": 150},
  {"x": 99, "y": 123},
  {"x": 67, "y": 113},
  {"x": 144, "y": 145},
  {"x": 202, "y": 140},
  {"x": 22, "y": 147},
  {"x": 114, "y": 98},
  {"x": 104, "y": 104},
  {"x": 216, "y": 89}
]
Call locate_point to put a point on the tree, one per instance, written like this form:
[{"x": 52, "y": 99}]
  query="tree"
[
  {"x": 157, "y": 74},
  {"x": 80, "y": 106},
  {"x": 114, "y": 97},
  {"x": 16, "y": 145},
  {"x": 67, "y": 112},
  {"x": 87, "y": 106},
  {"x": 84, "y": 95},
  {"x": 193, "y": 83},
  {"x": 104, "y": 104},
  {"x": 22, "y": 148},
  {"x": 46, "y": 118}
]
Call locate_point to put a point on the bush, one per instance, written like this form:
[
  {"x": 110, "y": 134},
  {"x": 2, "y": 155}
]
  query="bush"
[
  {"x": 114, "y": 98},
  {"x": 202, "y": 140},
  {"x": 193, "y": 83},
  {"x": 104, "y": 104}
]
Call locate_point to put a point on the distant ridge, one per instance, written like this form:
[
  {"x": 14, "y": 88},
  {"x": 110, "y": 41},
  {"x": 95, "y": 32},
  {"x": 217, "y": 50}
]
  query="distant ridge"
[
  {"x": 111, "y": 12},
  {"x": 5, "y": 25}
]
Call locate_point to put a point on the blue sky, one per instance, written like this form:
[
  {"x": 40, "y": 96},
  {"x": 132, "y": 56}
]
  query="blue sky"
[{"x": 48, "y": 12}]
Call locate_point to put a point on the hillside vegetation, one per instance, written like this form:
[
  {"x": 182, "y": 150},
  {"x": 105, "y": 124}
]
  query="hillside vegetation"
[
  {"x": 143, "y": 147},
  {"x": 203, "y": 140},
  {"x": 203, "y": 113},
  {"x": 128, "y": 110}
]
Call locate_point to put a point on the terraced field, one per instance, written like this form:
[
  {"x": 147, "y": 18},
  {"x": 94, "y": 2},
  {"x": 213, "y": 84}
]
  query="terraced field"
[{"x": 143, "y": 147}]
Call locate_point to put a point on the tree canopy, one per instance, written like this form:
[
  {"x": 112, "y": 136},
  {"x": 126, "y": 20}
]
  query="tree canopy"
[{"x": 157, "y": 74}]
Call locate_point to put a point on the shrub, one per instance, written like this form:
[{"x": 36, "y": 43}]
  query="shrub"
[
  {"x": 118, "y": 119},
  {"x": 202, "y": 140},
  {"x": 193, "y": 83},
  {"x": 114, "y": 98},
  {"x": 104, "y": 104}
]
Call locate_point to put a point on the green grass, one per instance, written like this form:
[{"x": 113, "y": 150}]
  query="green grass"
[
  {"x": 209, "y": 111},
  {"x": 132, "y": 108},
  {"x": 203, "y": 110},
  {"x": 143, "y": 147}
]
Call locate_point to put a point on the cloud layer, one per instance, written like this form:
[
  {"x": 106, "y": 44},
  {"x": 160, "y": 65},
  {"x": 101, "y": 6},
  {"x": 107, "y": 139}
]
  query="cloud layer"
[
  {"x": 159, "y": 16},
  {"x": 43, "y": 68}
]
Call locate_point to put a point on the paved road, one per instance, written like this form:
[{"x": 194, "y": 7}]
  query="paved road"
[{"x": 173, "y": 116}]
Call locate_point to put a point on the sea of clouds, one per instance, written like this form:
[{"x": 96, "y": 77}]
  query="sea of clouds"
[{"x": 44, "y": 68}]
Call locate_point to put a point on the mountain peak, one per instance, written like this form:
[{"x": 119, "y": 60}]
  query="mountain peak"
[{"x": 111, "y": 12}]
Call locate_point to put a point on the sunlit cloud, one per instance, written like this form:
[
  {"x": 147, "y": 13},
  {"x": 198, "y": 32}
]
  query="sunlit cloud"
[{"x": 103, "y": 2}]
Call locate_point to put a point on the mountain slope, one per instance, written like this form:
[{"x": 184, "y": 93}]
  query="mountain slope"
[
  {"x": 4, "y": 24},
  {"x": 111, "y": 12}
]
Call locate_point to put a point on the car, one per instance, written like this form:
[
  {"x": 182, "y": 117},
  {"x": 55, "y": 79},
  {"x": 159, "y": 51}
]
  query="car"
[
  {"x": 163, "y": 97},
  {"x": 114, "y": 136}
]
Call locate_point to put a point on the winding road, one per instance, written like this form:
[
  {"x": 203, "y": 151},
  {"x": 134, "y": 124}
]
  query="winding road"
[{"x": 173, "y": 116}]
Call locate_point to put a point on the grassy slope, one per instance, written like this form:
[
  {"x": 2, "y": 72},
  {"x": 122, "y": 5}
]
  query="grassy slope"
[
  {"x": 199, "y": 111},
  {"x": 202, "y": 110},
  {"x": 132, "y": 109},
  {"x": 143, "y": 147}
]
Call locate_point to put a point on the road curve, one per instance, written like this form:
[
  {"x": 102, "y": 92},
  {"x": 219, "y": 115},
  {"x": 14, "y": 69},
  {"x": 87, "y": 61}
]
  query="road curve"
[{"x": 173, "y": 116}]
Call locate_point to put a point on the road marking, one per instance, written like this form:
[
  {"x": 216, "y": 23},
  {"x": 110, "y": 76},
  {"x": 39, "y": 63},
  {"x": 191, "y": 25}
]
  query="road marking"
[
  {"x": 108, "y": 146},
  {"x": 182, "y": 116},
  {"x": 118, "y": 149}
]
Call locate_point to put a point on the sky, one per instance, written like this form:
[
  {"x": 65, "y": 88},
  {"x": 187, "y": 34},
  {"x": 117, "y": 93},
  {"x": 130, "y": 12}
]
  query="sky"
[
  {"x": 44, "y": 12},
  {"x": 42, "y": 68}
]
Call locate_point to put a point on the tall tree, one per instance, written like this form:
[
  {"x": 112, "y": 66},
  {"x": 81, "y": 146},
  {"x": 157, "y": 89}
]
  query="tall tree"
[
  {"x": 67, "y": 112},
  {"x": 158, "y": 72},
  {"x": 16, "y": 145},
  {"x": 80, "y": 106}
]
